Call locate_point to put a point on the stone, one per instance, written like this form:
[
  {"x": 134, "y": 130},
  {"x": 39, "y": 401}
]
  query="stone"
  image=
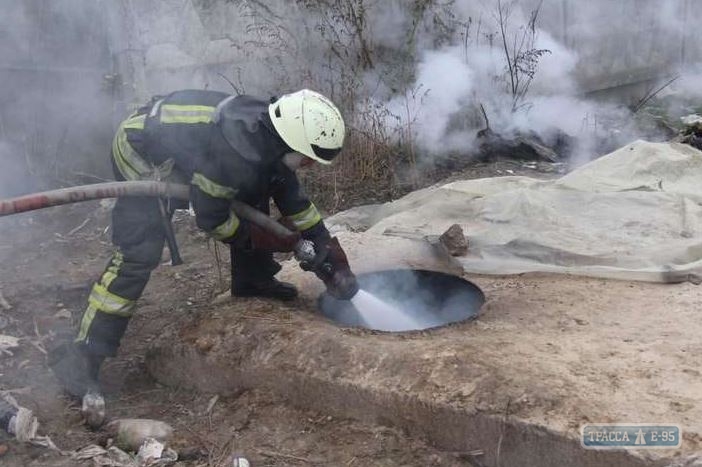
[{"x": 455, "y": 241}]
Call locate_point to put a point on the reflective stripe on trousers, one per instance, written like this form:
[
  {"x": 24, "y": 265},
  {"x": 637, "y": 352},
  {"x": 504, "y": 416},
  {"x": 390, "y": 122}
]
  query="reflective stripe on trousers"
[{"x": 103, "y": 301}]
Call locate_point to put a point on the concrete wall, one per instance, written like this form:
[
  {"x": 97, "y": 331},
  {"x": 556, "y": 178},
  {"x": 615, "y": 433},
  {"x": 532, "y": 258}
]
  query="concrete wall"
[
  {"x": 626, "y": 41},
  {"x": 71, "y": 69},
  {"x": 172, "y": 44},
  {"x": 187, "y": 43},
  {"x": 55, "y": 93}
]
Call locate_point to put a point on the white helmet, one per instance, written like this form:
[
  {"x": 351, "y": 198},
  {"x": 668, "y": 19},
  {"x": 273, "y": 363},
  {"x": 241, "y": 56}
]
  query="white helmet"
[{"x": 310, "y": 124}]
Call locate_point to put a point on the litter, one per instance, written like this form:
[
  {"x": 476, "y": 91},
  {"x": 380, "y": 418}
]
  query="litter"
[
  {"x": 149, "y": 451},
  {"x": 4, "y": 303},
  {"x": 130, "y": 434},
  {"x": 7, "y": 343},
  {"x": 21, "y": 423}
]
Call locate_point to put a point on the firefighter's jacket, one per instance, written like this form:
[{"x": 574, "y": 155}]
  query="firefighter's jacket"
[{"x": 181, "y": 128}]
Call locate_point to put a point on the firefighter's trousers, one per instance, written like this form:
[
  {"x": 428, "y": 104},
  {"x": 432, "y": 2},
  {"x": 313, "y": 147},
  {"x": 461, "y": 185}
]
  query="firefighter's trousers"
[{"x": 139, "y": 237}]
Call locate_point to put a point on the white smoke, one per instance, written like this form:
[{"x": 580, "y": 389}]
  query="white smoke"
[
  {"x": 55, "y": 113},
  {"x": 446, "y": 94},
  {"x": 459, "y": 76},
  {"x": 431, "y": 62},
  {"x": 689, "y": 83}
]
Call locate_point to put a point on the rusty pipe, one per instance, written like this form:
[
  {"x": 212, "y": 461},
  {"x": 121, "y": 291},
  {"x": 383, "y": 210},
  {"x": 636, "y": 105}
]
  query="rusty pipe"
[{"x": 78, "y": 194}]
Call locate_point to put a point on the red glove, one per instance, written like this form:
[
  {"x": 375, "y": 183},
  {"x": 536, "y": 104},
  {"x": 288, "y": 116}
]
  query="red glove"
[
  {"x": 262, "y": 239},
  {"x": 332, "y": 267}
]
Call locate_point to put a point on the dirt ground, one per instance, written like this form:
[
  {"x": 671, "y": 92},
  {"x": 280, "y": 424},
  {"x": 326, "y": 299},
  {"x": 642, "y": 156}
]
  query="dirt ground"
[
  {"x": 548, "y": 354},
  {"x": 44, "y": 276},
  {"x": 50, "y": 258}
]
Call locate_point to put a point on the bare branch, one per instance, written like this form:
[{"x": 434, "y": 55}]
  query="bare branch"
[
  {"x": 503, "y": 32},
  {"x": 650, "y": 96},
  {"x": 234, "y": 87},
  {"x": 487, "y": 120}
]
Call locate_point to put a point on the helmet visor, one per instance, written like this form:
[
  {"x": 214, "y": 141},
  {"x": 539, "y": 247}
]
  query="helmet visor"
[{"x": 324, "y": 153}]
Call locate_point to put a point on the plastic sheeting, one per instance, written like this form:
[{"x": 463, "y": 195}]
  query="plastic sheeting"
[{"x": 633, "y": 214}]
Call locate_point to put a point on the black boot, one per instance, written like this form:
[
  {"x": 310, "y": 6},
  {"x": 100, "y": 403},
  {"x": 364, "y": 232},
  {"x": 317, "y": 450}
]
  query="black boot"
[
  {"x": 76, "y": 369},
  {"x": 272, "y": 288},
  {"x": 252, "y": 276}
]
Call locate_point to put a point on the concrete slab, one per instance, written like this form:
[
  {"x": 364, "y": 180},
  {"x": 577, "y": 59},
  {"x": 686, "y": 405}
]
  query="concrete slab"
[{"x": 548, "y": 354}]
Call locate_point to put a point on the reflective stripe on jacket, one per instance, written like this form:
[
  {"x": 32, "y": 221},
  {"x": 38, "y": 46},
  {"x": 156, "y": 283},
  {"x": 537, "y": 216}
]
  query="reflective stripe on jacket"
[{"x": 181, "y": 127}]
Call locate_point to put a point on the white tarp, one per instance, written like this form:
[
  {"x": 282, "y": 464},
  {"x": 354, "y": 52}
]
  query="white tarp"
[{"x": 633, "y": 214}]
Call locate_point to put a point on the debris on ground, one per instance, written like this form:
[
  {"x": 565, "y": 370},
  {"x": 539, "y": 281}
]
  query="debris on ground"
[
  {"x": 521, "y": 146},
  {"x": 455, "y": 241},
  {"x": 4, "y": 304},
  {"x": 151, "y": 453},
  {"x": 93, "y": 409},
  {"x": 21, "y": 423},
  {"x": 90, "y": 452},
  {"x": 131, "y": 433},
  {"x": 692, "y": 131},
  {"x": 7, "y": 413},
  {"x": 192, "y": 454},
  {"x": 154, "y": 453},
  {"x": 63, "y": 313},
  {"x": 7, "y": 343},
  {"x": 101, "y": 457},
  {"x": 692, "y": 121},
  {"x": 237, "y": 461}
]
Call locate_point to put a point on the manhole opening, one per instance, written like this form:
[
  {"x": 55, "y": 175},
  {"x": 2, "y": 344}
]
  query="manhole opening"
[{"x": 430, "y": 299}]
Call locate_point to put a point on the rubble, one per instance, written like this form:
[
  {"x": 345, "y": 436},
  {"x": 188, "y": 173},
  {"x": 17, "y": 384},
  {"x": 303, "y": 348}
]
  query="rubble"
[
  {"x": 21, "y": 423},
  {"x": 7, "y": 343},
  {"x": 130, "y": 434},
  {"x": 455, "y": 241},
  {"x": 692, "y": 131},
  {"x": 693, "y": 121},
  {"x": 151, "y": 453},
  {"x": 89, "y": 452},
  {"x": 101, "y": 457},
  {"x": 93, "y": 409},
  {"x": 7, "y": 412},
  {"x": 63, "y": 313},
  {"x": 238, "y": 461},
  {"x": 522, "y": 146},
  {"x": 4, "y": 303}
]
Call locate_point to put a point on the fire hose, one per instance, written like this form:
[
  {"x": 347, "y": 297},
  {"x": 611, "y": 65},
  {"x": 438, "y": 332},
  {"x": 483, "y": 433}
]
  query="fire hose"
[
  {"x": 93, "y": 407},
  {"x": 305, "y": 251},
  {"x": 78, "y": 194}
]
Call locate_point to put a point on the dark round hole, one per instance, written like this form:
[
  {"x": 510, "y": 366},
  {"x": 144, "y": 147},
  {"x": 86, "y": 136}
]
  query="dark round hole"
[{"x": 430, "y": 299}]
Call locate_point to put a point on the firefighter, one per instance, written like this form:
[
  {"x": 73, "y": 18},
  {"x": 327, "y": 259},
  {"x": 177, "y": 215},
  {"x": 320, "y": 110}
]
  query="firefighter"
[{"x": 226, "y": 147}]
